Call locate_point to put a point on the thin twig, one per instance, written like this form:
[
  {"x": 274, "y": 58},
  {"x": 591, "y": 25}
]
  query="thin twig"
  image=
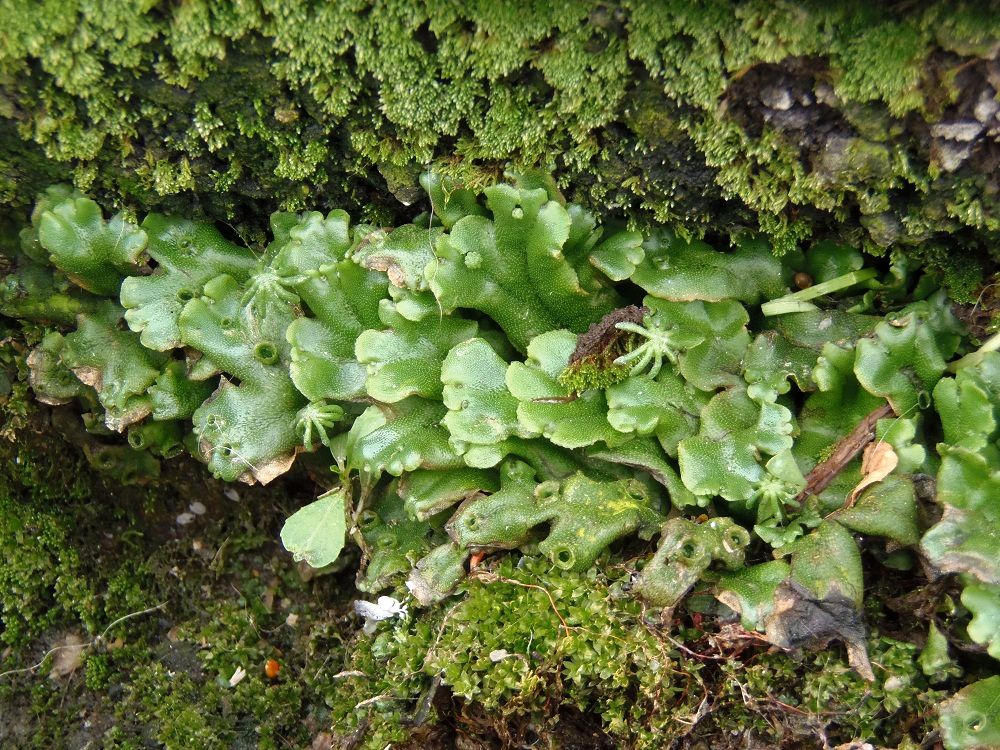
[{"x": 845, "y": 451}]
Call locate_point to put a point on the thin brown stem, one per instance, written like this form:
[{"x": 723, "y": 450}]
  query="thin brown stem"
[{"x": 845, "y": 451}]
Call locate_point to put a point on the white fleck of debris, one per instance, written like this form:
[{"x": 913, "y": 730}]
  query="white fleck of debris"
[
  {"x": 957, "y": 130},
  {"x": 775, "y": 97},
  {"x": 385, "y": 608},
  {"x": 292, "y": 620},
  {"x": 499, "y": 655},
  {"x": 232, "y": 494},
  {"x": 825, "y": 323},
  {"x": 237, "y": 677},
  {"x": 184, "y": 519},
  {"x": 198, "y": 508}
]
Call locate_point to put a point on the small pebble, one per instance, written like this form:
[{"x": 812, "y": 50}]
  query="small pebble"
[
  {"x": 198, "y": 508},
  {"x": 232, "y": 494},
  {"x": 987, "y": 106},
  {"x": 951, "y": 155},
  {"x": 957, "y": 130},
  {"x": 826, "y": 95},
  {"x": 184, "y": 519},
  {"x": 777, "y": 98}
]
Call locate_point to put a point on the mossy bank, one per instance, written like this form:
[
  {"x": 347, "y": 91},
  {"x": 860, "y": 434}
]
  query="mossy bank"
[
  {"x": 577, "y": 668},
  {"x": 877, "y": 122}
]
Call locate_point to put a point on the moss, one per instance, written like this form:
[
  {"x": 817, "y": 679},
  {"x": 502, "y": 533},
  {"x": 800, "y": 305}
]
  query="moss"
[
  {"x": 234, "y": 109},
  {"x": 778, "y": 697},
  {"x": 83, "y": 553},
  {"x": 42, "y": 583},
  {"x": 575, "y": 641}
]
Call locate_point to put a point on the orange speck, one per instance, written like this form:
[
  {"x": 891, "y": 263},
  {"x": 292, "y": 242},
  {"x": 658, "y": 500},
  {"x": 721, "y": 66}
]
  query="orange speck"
[{"x": 271, "y": 668}]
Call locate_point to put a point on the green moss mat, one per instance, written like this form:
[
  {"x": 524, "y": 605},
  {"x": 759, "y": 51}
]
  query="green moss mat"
[{"x": 790, "y": 118}]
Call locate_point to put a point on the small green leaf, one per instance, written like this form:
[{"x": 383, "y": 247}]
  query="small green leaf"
[
  {"x": 835, "y": 409},
  {"x": 174, "y": 395},
  {"x": 663, "y": 406},
  {"x": 449, "y": 199},
  {"x": 750, "y": 591},
  {"x": 967, "y": 538},
  {"x": 618, "y": 255},
  {"x": 402, "y": 255},
  {"x": 49, "y": 377},
  {"x": 34, "y": 292},
  {"x": 935, "y": 662},
  {"x": 725, "y": 457},
  {"x": 399, "y": 437},
  {"x": 512, "y": 268},
  {"x": 685, "y": 552},
  {"x": 772, "y": 359},
  {"x": 584, "y": 515},
  {"x": 188, "y": 254},
  {"x": 817, "y": 328},
  {"x": 908, "y": 354},
  {"x": 828, "y": 561},
  {"x": 435, "y": 575},
  {"x": 427, "y": 492},
  {"x": 481, "y": 411},
  {"x": 827, "y": 260},
  {"x": 648, "y": 455},
  {"x": 246, "y": 431},
  {"x": 393, "y": 542},
  {"x": 706, "y": 339},
  {"x": 315, "y": 533},
  {"x": 969, "y": 404},
  {"x": 342, "y": 298},
  {"x": 116, "y": 365},
  {"x": 405, "y": 359}
]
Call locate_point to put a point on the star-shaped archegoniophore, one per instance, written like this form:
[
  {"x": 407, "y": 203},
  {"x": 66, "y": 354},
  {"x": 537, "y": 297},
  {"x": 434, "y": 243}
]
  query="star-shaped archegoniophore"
[
  {"x": 318, "y": 417},
  {"x": 661, "y": 342}
]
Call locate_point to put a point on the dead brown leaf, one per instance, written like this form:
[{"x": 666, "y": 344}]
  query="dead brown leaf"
[
  {"x": 800, "y": 620},
  {"x": 68, "y": 656},
  {"x": 877, "y": 463}
]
